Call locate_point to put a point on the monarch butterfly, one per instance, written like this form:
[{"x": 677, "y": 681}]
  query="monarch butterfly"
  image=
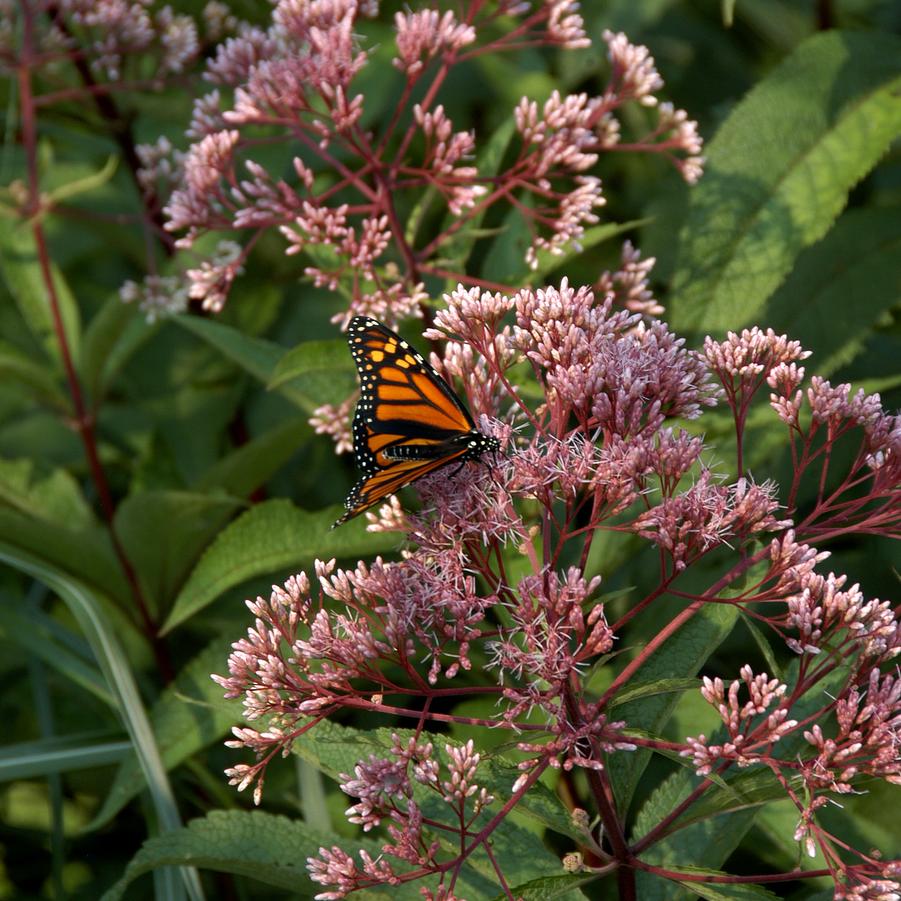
[{"x": 409, "y": 421}]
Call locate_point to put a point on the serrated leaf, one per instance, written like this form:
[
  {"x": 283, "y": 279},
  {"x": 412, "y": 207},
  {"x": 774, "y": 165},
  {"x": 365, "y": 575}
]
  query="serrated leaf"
[
  {"x": 518, "y": 853},
  {"x": 271, "y": 849},
  {"x": 336, "y": 749},
  {"x": 189, "y": 715},
  {"x": 164, "y": 532},
  {"x": 268, "y": 538},
  {"x": 637, "y": 690},
  {"x": 681, "y": 656},
  {"x": 713, "y": 891},
  {"x": 549, "y": 888},
  {"x": 539, "y": 804},
  {"x": 708, "y": 832},
  {"x": 779, "y": 171},
  {"x": 709, "y": 842},
  {"x": 21, "y": 271},
  {"x": 741, "y": 791},
  {"x": 841, "y": 288}
]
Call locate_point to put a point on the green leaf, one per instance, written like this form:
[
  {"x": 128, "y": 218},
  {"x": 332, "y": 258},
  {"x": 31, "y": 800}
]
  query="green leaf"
[
  {"x": 19, "y": 367},
  {"x": 549, "y": 888},
  {"x": 21, "y": 270},
  {"x": 519, "y": 853},
  {"x": 761, "y": 641},
  {"x": 115, "y": 333},
  {"x": 680, "y": 657},
  {"x": 709, "y": 831},
  {"x": 164, "y": 532},
  {"x": 58, "y": 754},
  {"x": 726, "y": 892},
  {"x": 625, "y": 15},
  {"x": 84, "y": 184},
  {"x": 245, "y": 469},
  {"x": 119, "y": 677},
  {"x": 43, "y": 493},
  {"x": 741, "y": 791},
  {"x": 268, "y": 538},
  {"x": 709, "y": 842},
  {"x": 779, "y": 171},
  {"x": 190, "y": 714},
  {"x": 255, "y": 356},
  {"x": 337, "y": 749},
  {"x": 634, "y": 691},
  {"x": 271, "y": 849},
  {"x": 458, "y": 249},
  {"x": 84, "y": 553},
  {"x": 505, "y": 261},
  {"x": 868, "y": 818},
  {"x": 539, "y": 804},
  {"x": 714, "y": 891},
  {"x": 728, "y": 10},
  {"x": 319, "y": 371},
  {"x": 51, "y": 642},
  {"x": 842, "y": 288},
  {"x": 772, "y": 834}
]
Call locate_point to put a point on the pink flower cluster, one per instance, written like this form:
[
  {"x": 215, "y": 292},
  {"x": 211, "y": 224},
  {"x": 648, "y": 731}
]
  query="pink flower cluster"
[
  {"x": 110, "y": 35},
  {"x": 353, "y": 186},
  {"x": 497, "y": 570}
]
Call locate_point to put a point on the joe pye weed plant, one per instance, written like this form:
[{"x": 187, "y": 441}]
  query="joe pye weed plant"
[{"x": 613, "y": 659}]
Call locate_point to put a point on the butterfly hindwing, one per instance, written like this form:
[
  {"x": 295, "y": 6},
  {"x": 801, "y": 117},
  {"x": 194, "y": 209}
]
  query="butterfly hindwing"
[{"x": 408, "y": 422}]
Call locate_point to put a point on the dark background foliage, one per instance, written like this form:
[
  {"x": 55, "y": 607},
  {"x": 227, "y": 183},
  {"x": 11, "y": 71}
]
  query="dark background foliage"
[{"x": 191, "y": 437}]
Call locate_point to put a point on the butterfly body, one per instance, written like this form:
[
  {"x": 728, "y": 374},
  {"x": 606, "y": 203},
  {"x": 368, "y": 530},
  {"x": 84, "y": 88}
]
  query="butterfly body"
[{"x": 409, "y": 421}]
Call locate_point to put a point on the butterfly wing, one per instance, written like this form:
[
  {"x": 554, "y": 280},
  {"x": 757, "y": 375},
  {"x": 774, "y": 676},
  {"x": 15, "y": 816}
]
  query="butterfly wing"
[
  {"x": 373, "y": 489},
  {"x": 408, "y": 422},
  {"x": 403, "y": 401}
]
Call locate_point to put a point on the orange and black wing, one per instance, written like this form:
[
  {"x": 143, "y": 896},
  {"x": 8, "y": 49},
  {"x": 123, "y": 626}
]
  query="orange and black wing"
[
  {"x": 409, "y": 421},
  {"x": 377, "y": 487}
]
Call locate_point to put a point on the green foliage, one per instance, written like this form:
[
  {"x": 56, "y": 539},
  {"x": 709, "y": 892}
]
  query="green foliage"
[
  {"x": 779, "y": 172},
  {"x": 267, "y": 848},
  {"x": 270, "y": 537},
  {"x": 682, "y": 655},
  {"x": 112, "y": 620}
]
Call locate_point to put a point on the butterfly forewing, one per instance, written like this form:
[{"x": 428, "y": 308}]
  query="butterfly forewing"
[{"x": 408, "y": 422}]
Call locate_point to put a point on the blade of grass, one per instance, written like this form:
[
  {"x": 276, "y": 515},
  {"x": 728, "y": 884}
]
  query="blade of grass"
[
  {"x": 58, "y": 754},
  {"x": 117, "y": 672}
]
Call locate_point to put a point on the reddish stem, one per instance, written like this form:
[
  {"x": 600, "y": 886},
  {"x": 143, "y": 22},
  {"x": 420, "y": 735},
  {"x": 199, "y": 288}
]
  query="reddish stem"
[
  {"x": 675, "y": 624},
  {"x": 84, "y": 419},
  {"x": 119, "y": 129}
]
